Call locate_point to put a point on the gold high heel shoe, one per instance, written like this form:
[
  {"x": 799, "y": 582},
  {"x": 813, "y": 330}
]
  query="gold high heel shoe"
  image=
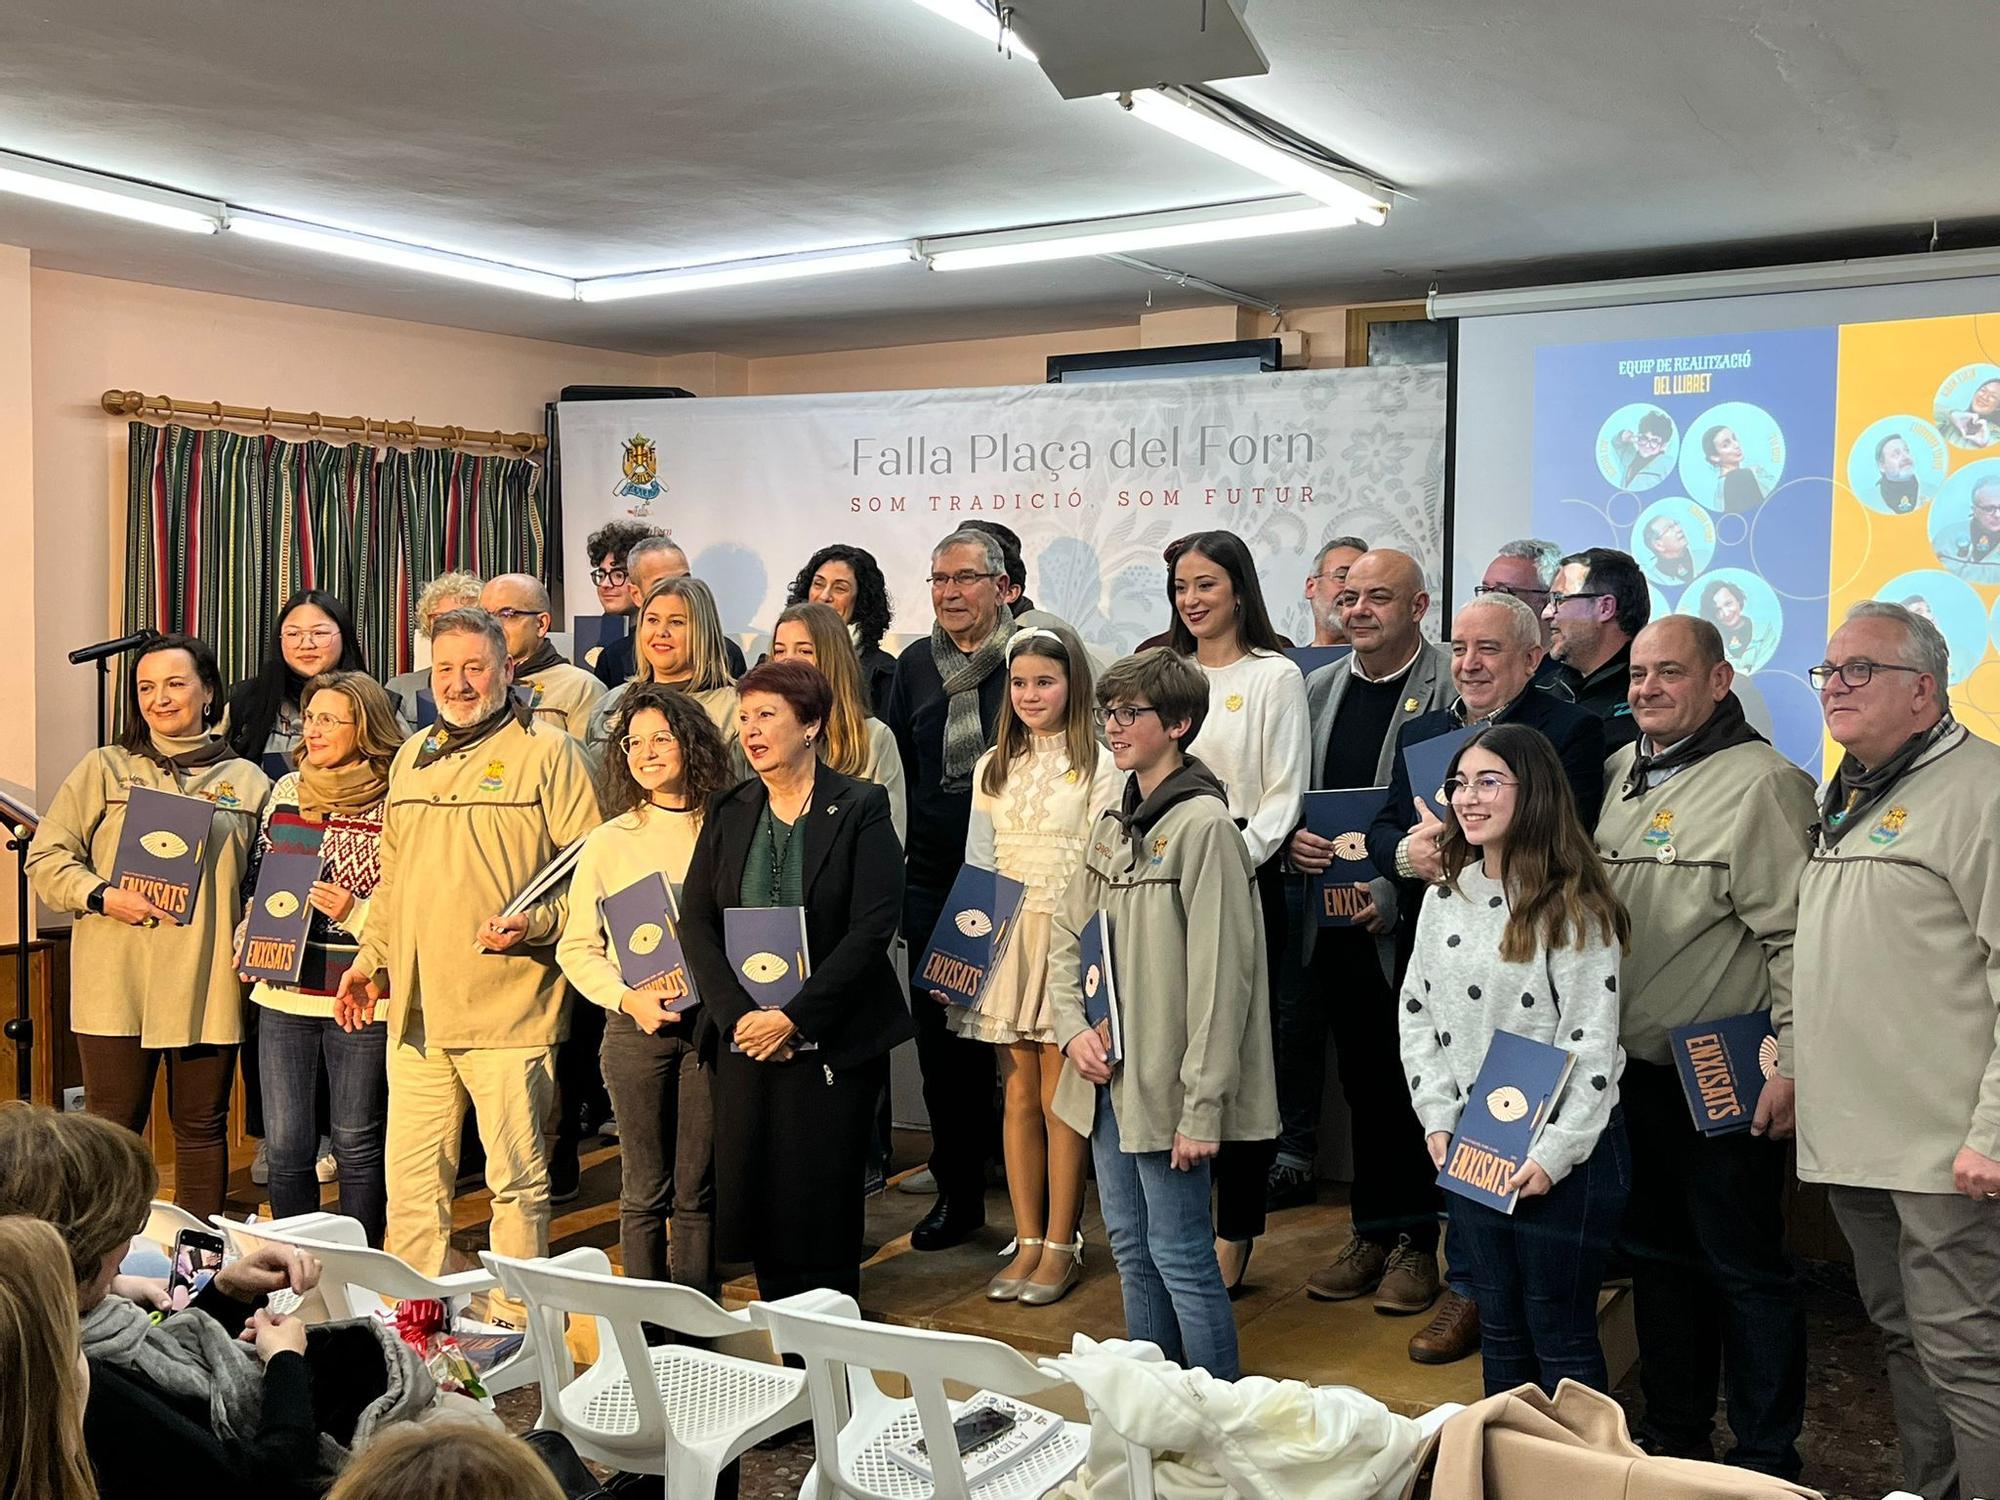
[
  {"x": 1041, "y": 1294},
  {"x": 1008, "y": 1288}
]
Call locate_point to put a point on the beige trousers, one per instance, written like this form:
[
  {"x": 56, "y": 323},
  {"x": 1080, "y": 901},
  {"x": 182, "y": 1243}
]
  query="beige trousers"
[{"x": 512, "y": 1091}]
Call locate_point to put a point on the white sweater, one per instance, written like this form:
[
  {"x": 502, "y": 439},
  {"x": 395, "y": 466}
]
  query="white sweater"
[
  {"x": 1255, "y": 740},
  {"x": 645, "y": 841}
]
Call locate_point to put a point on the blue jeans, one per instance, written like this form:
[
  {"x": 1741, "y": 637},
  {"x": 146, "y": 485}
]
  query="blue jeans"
[
  {"x": 1158, "y": 1223},
  {"x": 1536, "y": 1273},
  {"x": 291, "y": 1050}
]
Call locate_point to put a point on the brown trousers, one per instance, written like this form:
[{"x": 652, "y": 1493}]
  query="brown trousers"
[{"x": 118, "y": 1078}]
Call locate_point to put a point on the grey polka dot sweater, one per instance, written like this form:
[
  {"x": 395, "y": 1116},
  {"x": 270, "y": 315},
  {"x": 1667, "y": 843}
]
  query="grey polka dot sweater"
[{"x": 1459, "y": 991}]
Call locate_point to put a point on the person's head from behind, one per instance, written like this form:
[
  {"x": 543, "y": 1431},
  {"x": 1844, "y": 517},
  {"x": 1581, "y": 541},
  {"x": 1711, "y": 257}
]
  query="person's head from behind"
[
  {"x": 471, "y": 673},
  {"x": 1213, "y": 586},
  {"x": 454, "y": 1461},
  {"x": 1656, "y": 430},
  {"x": 1512, "y": 808},
  {"x": 1495, "y": 647},
  {"x": 1382, "y": 605},
  {"x": 1892, "y": 457},
  {"x": 44, "y": 1381},
  {"x": 174, "y": 690},
  {"x": 92, "y": 1180},
  {"x": 1678, "y": 678},
  {"x": 781, "y": 713},
  {"x": 520, "y": 602},
  {"x": 1151, "y": 705},
  {"x": 608, "y": 548},
  {"x": 1722, "y": 447},
  {"x": 651, "y": 560},
  {"x": 849, "y": 581},
  {"x": 444, "y": 593},
  {"x": 664, "y": 749}
]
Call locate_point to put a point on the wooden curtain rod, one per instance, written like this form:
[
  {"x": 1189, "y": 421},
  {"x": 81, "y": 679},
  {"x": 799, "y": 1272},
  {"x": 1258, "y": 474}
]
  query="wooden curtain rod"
[{"x": 137, "y": 404}]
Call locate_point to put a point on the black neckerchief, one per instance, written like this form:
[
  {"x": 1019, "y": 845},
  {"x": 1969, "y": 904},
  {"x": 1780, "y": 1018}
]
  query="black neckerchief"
[
  {"x": 544, "y": 657},
  {"x": 448, "y": 739},
  {"x": 1853, "y": 788},
  {"x": 1137, "y": 815},
  {"x": 1726, "y": 727}
]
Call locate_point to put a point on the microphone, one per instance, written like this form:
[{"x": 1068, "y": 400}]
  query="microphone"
[{"x": 118, "y": 647}]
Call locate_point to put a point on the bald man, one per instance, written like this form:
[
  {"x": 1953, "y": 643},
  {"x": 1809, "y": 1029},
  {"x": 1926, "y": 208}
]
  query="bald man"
[{"x": 559, "y": 694}]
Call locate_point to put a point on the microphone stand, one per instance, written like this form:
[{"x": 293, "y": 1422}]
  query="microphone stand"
[
  {"x": 20, "y": 1030},
  {"x": 101, "y": 654}
]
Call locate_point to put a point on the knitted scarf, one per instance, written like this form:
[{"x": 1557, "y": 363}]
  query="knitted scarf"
[
  {"x": 1854, "y": 788},
  {"x": 964, "y": 728},
  {"x": 351, "y": 788},
  {"x": 449, "y": 739},
  {"x": 1725, "y": 727}
]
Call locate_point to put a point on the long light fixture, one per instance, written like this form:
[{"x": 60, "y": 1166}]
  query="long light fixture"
[
  {"x": 100, "y": 193},
  {"x": 743, "y": 272},
  {"x": 1199, "y": 123},
  {"x": 406, "y": 257},
  {"x": 1131, "y": 232},
  {"x": 980, "y": 21}
]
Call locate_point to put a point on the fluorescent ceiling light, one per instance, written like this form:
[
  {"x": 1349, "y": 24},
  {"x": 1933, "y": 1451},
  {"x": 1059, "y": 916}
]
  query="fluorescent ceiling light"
[
  {"x": 1122, "y": 236},
  {"x": 978, "y": 20},
  {"x": 403, "y": 256},
  {"x": 1198, "y": 123},
  {"x": 108, "y": 195},
  {"x": 743, "y": 272}
]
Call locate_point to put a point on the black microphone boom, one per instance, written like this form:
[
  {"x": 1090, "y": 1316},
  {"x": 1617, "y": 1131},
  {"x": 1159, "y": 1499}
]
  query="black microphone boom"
[{"x": 105, "y": 649}]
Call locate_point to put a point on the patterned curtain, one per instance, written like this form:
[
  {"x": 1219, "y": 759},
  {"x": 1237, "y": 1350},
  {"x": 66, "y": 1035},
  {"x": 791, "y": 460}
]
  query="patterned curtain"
[{"x": 221, "y": 528}]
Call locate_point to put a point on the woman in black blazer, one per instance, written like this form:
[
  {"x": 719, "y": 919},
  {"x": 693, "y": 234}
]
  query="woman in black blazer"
[{"x": 795, "y": 1086}]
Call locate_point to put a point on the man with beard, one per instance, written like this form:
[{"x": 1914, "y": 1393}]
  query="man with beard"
[
  {"x": 1599, "y": 602},
  {"x": 1972, "y": 551},
  {"x": 477, "y": 806},
  {"x": 1898, "y": 484}
]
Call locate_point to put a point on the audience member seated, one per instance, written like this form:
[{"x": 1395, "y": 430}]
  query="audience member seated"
[
  {"x": 461, "y": 1463},
  {"x": 43, "y": 1379}
]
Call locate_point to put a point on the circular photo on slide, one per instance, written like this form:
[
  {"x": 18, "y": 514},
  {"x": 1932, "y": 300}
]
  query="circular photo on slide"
[
  {"x": 1968, "y": 406},
  {"x": 1636, "y": 446},
  {"x": 1658, "y": 601},
  {"x": 1744, "y": 608},
  {"x": 1673, "y": 541},
  {"x": 1733, "y": 456},
  {"x": 1965, "y": 523},
  {"x": 1896, "y": 465},
  {"x": 1949, "y": 603}
]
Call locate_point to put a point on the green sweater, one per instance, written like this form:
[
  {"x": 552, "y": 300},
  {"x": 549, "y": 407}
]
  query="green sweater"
[{"x": 1712, "y": 926}]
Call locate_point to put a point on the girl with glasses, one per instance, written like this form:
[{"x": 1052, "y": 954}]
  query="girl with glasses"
[
  {"x": 665, "y": 762},
  {"x": 314, "y": 634},
  {"x": 1523, "y": 934}
]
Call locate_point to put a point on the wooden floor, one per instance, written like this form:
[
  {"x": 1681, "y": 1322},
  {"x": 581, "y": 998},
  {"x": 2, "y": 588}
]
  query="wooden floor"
[{"x": 1284, "y": 1333}]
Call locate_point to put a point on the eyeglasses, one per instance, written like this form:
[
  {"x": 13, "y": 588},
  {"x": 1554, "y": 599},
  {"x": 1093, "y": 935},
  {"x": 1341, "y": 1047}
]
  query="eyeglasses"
[
  {"x": 1854, "y": 673},
  {"x": 1557, "y": 601},
  {"x": 965, "y": 578},
  {"x": 513, "y": 614},
  {"x": 1125, "y": 715},
  {"x": 1482, "y": 788},
  {"x": 658, "y": 742},
  {"x": 316, "y": 635},
  {"x": 326, "y": 721},
  {"x": 602, "y": 576},
  {"x": 1508, "y": 589}
]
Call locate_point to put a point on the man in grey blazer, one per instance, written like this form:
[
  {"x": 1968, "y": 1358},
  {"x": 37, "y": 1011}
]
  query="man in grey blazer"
[{"x": 1358, "y": 704}]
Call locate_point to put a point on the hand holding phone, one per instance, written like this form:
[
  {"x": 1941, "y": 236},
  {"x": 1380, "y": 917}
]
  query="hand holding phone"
[{"x": 197, "y": 1256}]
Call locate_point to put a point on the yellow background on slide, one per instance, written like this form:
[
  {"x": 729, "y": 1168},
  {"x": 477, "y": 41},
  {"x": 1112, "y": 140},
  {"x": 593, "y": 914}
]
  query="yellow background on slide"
[{"x": 1892, "y": 369}]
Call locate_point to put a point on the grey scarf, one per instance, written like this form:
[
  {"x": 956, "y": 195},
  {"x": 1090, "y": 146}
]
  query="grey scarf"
[{"x": 964, "y": 728}]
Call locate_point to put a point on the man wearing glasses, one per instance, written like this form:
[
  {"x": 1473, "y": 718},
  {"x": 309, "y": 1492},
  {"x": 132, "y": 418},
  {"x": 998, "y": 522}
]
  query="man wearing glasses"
[
  {"x": 943, "y": 704},
  {"x": 1598, "y": 603},
  {"x": 1972, "y": 551},
  {"x": 1704, "y": 834},
  {"x": 608, "y": 548},
  {"x": 1525, "y": 569},
  {"x": 652, "y": 559},
  {"x": 1893, "y": 1036},
  {"x": 1323, "y": 586},
  {"x": 555, "y": 691}
]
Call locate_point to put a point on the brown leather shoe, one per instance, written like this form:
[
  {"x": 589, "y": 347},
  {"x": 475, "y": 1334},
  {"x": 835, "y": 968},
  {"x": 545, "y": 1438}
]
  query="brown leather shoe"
[
  {"x": 1355, "y": 1272},
  {"x": 1409, "y": 1280},
  {"x": 1451, "y": 1334}
]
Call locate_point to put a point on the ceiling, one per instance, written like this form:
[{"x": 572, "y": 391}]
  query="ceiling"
[{"x": 1535, "y": 139}]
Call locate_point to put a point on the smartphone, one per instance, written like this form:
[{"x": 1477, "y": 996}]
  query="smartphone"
[
  {"x": 979, "y": 1427},
  {"x": 197, "y": 1257}
]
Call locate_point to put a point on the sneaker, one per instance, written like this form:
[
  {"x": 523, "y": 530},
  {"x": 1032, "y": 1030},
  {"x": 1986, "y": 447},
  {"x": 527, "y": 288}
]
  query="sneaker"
[
  {"x": 324, "y": 1166},
  {"x": 1355, "y": 1272},
  {"x": 1288, "y": 1187},
  {"x": 260, "y": 1165},
  {"x": 1451, "y": 1334},
  {"x": 919, "y": 1184},
  {"x": 607, "y": 1128},
  {"x": 565, "y": 1177},
  {"x": 1409, "y": 1280}
]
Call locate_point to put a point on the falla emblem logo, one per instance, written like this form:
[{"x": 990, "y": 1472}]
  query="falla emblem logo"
[
  {"x": 641, "y": 483},
  {"x": 1891, "y": 827},
  {"x": 1661, "y": 829}
]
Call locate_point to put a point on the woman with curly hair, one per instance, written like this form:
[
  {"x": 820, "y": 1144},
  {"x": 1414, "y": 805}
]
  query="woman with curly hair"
[
  {"x": 848, "y": 579},
  {"x": 666, "y": 761}
]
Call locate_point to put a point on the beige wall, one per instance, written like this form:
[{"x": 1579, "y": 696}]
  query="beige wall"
[{"x": 18, "y": 585}]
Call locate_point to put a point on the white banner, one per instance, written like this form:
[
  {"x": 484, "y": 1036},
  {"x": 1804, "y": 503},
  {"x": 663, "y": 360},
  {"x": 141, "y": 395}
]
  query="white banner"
[{"x": 1097, "y": 479}]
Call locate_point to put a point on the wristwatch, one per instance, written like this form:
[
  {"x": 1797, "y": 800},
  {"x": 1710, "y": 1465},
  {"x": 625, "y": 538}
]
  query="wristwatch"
[{"x": 94, "y": 902}]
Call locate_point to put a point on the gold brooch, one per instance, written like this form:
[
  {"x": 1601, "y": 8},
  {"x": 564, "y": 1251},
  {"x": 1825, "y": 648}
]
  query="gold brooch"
[{"x": 1233, "y": 702}]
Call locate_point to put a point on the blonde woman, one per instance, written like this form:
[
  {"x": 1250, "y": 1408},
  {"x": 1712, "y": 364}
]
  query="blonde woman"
[
  {"x": 457, "y": 1462},
  {"x": 680, "y": 644},
  {"x": 856, "y": 743},
  {"x": 43, "y": 1379},
  {"x": 1035, "y": 796},
  {"x": 446, "y": 592}
]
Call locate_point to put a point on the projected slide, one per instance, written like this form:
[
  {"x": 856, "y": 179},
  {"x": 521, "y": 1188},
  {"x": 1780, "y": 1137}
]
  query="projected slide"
[{"x": 1766, "y": 481}]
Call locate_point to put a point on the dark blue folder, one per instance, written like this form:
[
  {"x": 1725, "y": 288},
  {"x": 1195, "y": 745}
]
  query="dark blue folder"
[
  {"x": 1097, "y": 972},
  {"x": 160, "y": 849},
  {"x": 1723, "y": 1065},
  {"x": 1309, "y": 659},
  {"x": 1517, "y": 1087},
  {"x": 1342, "y": 817},
  {"x": 767, "y": 948},
  {"x": 590, "y": 634},
  {"x": 1428, "y": 762},
  {"x": 274, "y": 934},
  {"x": 644, "y": 927},
  {"x": 971, "y": 935}
]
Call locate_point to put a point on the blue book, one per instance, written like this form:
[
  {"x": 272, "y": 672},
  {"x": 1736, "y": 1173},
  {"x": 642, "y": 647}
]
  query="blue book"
[
  {"x": 274, "y": 933},
  {"x": 767, "y": 947},
  {"x": 1723, "y": 1065},
  {"x": 1428, "y": 762},
  {"x": 1309, "y": 659},
  {"x": 590, "y": 634},
  {"x": 427, "y": 709},
  {"x": 1518, "y": 1085},
  {"x": 1343, "y": 817},
  {"x": 1098, "y": 976},
  {"x": 971, "y": 935},
  {"x": 643, "y": 924},
  {"x": 160, "y": 850}
]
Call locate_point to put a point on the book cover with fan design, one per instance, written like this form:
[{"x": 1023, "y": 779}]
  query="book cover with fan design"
[
  {"x": 767, "y": 948},
  {"x": 160, "y": 849},
  {"x": 274, "y": 933},
  {"x": 1511, "y": 1099},
  {"x": 1342, "y": 817},
  {"x": 1722, "y": 1066},
  {"x": 971, "y": 935},
  {"x": 644, "y": 927}
]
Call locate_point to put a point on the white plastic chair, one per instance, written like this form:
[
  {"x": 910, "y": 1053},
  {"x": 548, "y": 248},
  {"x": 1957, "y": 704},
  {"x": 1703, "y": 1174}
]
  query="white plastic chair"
[
  {"x": 165, "y": 1220},
  {"x": 355, "y": 1280},
  {"x": 699, "y": 1410},
  {"x": 854, "y": 1422}
]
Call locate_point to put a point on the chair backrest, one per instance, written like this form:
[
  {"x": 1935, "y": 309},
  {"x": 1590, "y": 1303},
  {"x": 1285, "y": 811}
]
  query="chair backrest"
[
  {"x": 165, "y": 1220},
  {"x": 581, "y": 1281},
  {"x": 841, "y": 1354},
  {"x": 355, "y": 1279}
]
